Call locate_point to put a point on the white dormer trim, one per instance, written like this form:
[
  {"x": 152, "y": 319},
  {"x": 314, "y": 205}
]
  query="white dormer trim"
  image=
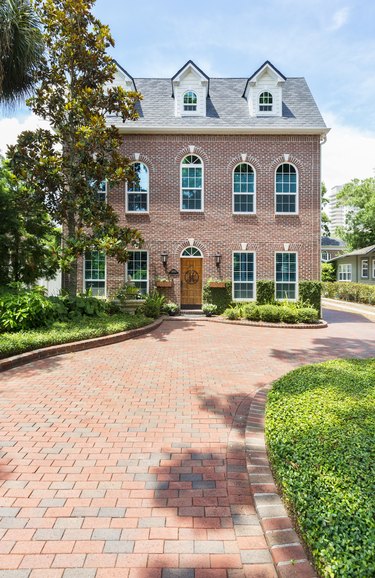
[
  {"x": 190, "y": 78},
  {"x": 266, "y": 79},
  {"x": 123, "y": 78}
]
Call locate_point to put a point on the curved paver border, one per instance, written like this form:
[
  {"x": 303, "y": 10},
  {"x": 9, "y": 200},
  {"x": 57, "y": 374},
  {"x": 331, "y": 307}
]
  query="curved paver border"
[
  {"x": 60, "y": 349},
  {"x": 288, "y": 553},
  {"x": 320, "y": 325}
]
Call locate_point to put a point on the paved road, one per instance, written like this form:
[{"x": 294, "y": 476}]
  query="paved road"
[{"x": 120, "y": 461}]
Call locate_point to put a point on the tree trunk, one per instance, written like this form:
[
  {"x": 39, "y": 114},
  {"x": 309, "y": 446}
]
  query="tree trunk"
[{"x": 71, "y": 276}]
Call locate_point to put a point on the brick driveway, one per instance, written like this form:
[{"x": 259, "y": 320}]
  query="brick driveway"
[{"x": 128, "y": 460}]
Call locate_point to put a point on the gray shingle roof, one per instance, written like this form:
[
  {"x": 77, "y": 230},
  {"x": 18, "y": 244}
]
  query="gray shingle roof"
[
  {"x": 363, "y": 251},
  {"x": 330, "y": 242},
  {"x": 226, "y": 108}
]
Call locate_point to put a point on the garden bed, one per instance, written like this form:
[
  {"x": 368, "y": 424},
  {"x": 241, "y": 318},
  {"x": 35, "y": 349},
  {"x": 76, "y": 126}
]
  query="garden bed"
[{"x": 320, "y": 428}]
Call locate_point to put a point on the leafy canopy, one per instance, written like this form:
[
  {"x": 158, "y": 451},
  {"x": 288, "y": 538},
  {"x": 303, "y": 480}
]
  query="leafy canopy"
[
  {"x": 65, "y": 165},
  {"x": 359, "y": 196}
]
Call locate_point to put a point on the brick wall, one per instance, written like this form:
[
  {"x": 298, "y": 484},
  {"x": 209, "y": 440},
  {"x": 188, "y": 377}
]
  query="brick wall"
[{"x": 217, "y": 229}]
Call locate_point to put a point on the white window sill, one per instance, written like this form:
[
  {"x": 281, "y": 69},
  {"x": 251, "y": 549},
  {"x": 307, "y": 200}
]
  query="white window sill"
[{"x": 243, "y": 213}]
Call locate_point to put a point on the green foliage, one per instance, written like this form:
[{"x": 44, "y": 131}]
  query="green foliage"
[
  {"x": 153, "y": 304},
  {"x": 23, "y": 309},
  {"x": 232, "y": 313},
  {"x": 127, "y": 292},
  {"x": 221, "y": 297},
  {"x": 310, "y": 293},
  {"x": 307, "y": 315},
  {"x": 289, "y": 313},
  {"x": 251, "y": 311},
  {"x": 320, "y": 427},
  {"x": 328, "y": 272},
  {"x": 359, "y": 197},
  {"x": 28, "y": 238},
  {"x": 170, "y": 308},
  {"x": 209, "y": 309},
  {"x": 325, "y": 221},
  {"x": 21, "y": 49},
  {"x": 347, "y": 291},
  {"x": 65, "y": 332},
  {"x": 270, "y": 313},
  {"x": 265, "y": 292},
  {"x": 66, "y": 163}
]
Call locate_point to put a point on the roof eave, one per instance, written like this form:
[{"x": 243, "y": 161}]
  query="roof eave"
[{"x": 133, "y": 128}]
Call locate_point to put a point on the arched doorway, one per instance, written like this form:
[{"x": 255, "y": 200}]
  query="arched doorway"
[{"x": 191, "y": 278}]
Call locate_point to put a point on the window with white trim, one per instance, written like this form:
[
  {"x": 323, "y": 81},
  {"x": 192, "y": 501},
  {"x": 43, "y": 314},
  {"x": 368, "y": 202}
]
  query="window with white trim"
[
  {"x": 345, "y": 272},
  {"x": 191, "y": 252},
  {"x": 286, "y": 189},
  {"x": 286, "y": 275},
  {"x": 326, "y": 256},
  {"x": 191, "y": 184},
  {"x": 265, "y": 102},
  {"x": 364, "y": 269},
  {"x": 190, "y": 101},
  {"x": 137, "y": 270},
  {"x": 243, "y": 189},
  {"x": 373, "y": 268},
  {"x": 101, "y": 192},
  {"x": 243, "y": 276},
  {"x": 94, "y": 276},
  {"x": 137, "y": 193}
]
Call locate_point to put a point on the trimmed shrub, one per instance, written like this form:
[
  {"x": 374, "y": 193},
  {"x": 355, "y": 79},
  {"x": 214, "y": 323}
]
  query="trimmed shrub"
[
  {"x": 270, "y": 313},
  {"x": 265, "y": 292},
  {"x": 232, "y": 313},
  {"x": 328, "y": 272},
  {"x": 251, "y": 312},
  {"x": 310, "y": 293},
  {"x": 347, "y": 291},
  {"x": 288, "y": 314},
  {"x": 152, "y": 305},
  {"x": 307, "y": 315},
  {"x": 219, "y": 296}
]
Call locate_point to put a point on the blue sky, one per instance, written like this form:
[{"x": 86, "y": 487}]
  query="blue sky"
[{"x": 329, "y": 42}]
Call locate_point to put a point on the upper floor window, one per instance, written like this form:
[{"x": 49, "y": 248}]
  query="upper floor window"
[
  {"x": 364, "y": 269},
  {"x": 191, "y": 184},
  {"x": 286, "y": 189},
  {"x": 101, "y": 193},
  {"x": 265, "y": 102},
  {"x": 94, "y": 278},
  {"x": 243, "y": 189},
  {"x": 190, "y": 101},
  {"x": 137, "y": 192},
  {"x": 286, "y": 275}
]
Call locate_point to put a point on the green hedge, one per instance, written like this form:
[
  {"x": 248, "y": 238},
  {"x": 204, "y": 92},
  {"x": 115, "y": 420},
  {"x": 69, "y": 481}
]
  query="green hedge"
[
  {"x": 347, "y": 291},
  {"x": 265, "y": 292},
  {"x": 281, "y": 312},
  {"x": 221, "y": 297},
  {"x": 310, "y": 293},
  {"x": 320, "y": 431}
]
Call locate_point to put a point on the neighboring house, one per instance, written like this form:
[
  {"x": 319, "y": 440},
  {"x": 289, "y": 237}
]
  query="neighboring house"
[
  {"x": 357, "y": 266},
  {"x": 229, "y": 185},
  {"x": 331, "y": 248}
]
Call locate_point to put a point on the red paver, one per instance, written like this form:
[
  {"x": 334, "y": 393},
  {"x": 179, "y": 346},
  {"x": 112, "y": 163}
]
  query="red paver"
[{"x": 129, "y": 460}]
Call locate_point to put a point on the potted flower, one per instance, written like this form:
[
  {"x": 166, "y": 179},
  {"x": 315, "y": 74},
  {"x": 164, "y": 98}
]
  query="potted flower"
[
  {"x": 209, "y": 309},
  {"x": 163, "y": 282},
  {"x": 216, "y": 283},
  {"x": 171, "y": 308}
]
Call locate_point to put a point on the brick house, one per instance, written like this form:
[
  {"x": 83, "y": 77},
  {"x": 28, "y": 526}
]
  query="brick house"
[{"x": 229, "y": 185}]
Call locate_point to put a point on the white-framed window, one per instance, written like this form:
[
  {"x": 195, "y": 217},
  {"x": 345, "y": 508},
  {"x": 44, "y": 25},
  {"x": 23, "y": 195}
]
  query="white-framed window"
[
  {"x": 286, "y": 189},
  {"x": 364, "y": 269},
  {"x": 265, "y": 102},
  {"x": 94, "y": 273},
  {"x": 137, "y": 270},
  {"x": 373, "y": 268},
  {"x": 191, "y": 183},
  {"x": 137, "y": 193},
  {"x": 326, "y": 256},
  {"x": 243, "y": 276},
  {"x": 244, "y": 189},
  {"x": 345, "y": 272},
  {"x": 286, "y": 275},
  {"x": 191, "y": 252},
  {"x": 101, "y": 192},
  {"x": 190, "y": 101}
]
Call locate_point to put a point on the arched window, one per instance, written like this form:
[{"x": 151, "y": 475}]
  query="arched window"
[
  {"x": 191, "y": 184},
  {"x": 265, "y": 102},
  {"x": 286, "y": 189},
  {"x": 243, "y": 189},
  {"x": 191, "y": 252},
  {"x": 138, "y": 191},
  {"x": 190, "y": 101}
]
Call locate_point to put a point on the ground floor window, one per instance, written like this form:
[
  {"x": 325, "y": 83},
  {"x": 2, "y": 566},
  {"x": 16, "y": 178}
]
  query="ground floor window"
[
  {"x": 364, "y": 269},
  {"x": 286, "y": 275},
  {"x": 345, "y": 272},
  {"x": 243, "y": 276},
  {"x": 95, "y": 273},
  {"x": 373, "y": 268},
  {"x": 137, "y": 270}
]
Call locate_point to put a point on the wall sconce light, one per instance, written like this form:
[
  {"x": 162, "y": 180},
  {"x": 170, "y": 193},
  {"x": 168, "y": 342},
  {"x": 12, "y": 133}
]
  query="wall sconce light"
[
  {"x": 164, "y": 258},
  {"x": 218, "y": 259}
]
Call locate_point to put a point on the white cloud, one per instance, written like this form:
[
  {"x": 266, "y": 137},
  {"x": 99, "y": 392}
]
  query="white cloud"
[
  {"x": 348, "y": 153},
  {"x": 339, "y": 19},
  {"x": 10, "y": 128}
]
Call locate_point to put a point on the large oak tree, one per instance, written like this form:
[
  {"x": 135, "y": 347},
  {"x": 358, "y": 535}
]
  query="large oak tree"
[{"x": 65, "y": 165}]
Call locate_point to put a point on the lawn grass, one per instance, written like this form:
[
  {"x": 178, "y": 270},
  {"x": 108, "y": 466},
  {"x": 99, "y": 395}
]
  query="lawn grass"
[
  {"x": 320, "y": 431},
  {"x": 64, "y": 332}
]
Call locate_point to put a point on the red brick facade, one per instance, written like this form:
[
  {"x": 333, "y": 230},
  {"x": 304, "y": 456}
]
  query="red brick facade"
[{"x": 217, "y": 229}]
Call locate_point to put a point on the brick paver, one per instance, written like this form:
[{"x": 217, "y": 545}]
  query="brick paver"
[{"x": 129, "y": 460}]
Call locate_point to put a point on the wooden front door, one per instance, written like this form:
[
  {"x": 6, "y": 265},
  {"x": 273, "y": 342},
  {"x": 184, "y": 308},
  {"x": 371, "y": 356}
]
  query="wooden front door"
[{"x": 191, "y": 283}]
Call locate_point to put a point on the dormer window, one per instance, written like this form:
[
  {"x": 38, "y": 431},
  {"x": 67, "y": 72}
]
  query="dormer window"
[
  {"x": 190, "y": 101},
  {"x": 265, "y": 102}
]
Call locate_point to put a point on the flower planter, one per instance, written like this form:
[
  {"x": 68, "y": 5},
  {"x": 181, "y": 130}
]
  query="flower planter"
[
  {"x": 217, "y": 284},
  {"x": 161, "y": 284},
  {"x": 130, "y": 305}
]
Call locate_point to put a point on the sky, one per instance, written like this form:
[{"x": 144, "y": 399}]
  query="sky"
[{"x": 329, "y": 42}]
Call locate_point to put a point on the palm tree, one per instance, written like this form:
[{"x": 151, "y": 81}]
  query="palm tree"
[{"x": 21, "y": 49}]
